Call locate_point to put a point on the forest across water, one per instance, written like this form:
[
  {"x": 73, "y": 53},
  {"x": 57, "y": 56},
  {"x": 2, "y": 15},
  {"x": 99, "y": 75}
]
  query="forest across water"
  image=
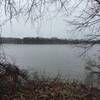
[{"x": 40, "y": 40}]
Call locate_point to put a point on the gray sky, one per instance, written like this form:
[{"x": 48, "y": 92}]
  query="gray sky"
[
  {"x": 46, "y": 27},
  {"x": 49, "y": 26}
]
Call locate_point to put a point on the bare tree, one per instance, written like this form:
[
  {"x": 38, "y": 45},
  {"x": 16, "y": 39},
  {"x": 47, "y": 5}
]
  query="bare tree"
[{"x": 88, "y": 15}]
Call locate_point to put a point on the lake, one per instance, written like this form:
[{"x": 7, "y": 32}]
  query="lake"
[{"x": 51, "y": 58}]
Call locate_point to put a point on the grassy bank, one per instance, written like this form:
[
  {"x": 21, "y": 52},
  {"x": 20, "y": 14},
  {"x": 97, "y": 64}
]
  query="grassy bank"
[{"x": 16, "y": 84}]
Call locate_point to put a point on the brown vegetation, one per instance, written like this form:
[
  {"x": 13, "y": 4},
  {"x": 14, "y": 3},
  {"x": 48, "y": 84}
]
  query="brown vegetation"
[{"x": 15, "y": 84}]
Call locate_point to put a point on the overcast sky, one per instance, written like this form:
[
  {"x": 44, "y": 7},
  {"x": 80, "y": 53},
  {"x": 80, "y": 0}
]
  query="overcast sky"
[
  {"x": 44, "y": 27},
  {"x": 47, "y": 27},
  {"x": 51, "y": 25}
]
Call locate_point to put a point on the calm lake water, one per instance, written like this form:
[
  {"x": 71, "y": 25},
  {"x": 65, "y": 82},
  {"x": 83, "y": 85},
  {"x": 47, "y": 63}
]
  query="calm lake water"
[{"x": 51, "y": 58}]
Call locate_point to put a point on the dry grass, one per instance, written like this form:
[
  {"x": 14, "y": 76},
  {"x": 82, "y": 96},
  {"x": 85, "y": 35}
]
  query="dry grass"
[{"x": 15, "y": 84}]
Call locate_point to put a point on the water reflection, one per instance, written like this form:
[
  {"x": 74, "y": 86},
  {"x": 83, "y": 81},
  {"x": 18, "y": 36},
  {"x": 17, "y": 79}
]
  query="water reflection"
[{"x": 93, "y": 72}]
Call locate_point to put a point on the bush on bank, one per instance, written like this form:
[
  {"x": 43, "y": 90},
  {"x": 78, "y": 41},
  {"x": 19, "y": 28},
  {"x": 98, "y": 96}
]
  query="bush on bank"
[{"x": 17, "y": 84}]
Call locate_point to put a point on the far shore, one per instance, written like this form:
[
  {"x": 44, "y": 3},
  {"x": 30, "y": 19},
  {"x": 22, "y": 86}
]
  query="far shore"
[{"x": 49, "y": 41}]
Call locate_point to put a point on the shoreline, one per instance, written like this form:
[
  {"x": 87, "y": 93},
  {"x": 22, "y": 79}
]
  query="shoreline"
[{"x": 16, "y": 84}]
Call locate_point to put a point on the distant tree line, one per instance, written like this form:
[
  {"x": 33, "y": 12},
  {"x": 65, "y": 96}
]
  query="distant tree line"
[{"x": 38, "y": 40}]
